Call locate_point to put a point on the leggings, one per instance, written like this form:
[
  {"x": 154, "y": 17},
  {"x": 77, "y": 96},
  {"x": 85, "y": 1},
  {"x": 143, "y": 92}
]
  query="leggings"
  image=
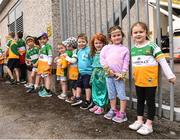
[{"x": 146, "y": 94}]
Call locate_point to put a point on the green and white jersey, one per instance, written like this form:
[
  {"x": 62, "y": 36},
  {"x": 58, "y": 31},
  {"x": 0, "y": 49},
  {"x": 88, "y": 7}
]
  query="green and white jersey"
[
  {"x": 145, "y": 64},
  {"x": 33, "y": 55}
]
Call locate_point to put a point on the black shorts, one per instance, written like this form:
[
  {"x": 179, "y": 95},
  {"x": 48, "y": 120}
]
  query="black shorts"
[
  {"x": 13, "y": 63},
  {"x": 73, "y": 84},
  {"x": 83, "y": 81}
]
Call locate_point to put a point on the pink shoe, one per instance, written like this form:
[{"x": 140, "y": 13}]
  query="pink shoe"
[
  {"x": 93, "y": 108},
  {"x": 99, "y": 111}
]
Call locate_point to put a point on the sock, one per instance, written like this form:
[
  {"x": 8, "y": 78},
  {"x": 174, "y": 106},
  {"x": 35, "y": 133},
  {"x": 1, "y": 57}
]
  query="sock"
[
  {"x": 47, "y": 90},
  {"x": 78, "y": 98}
]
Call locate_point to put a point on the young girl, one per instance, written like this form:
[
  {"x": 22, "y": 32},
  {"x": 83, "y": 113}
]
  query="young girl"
[
  {"x": 44, "y": 66},
  {"x": 98, "y": 77},
  {"x": 145, "y": 57},
  {"x": 115, "y": 60},
  {"x": 61, "y": 70}
]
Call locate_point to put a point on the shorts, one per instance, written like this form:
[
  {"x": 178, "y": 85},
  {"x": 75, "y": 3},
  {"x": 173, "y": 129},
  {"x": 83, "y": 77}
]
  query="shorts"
[
  {"x": 73, "y": 84},
  {"x": 61, "y": 78},
  {"x": 83, "y": 81},
  {"x": 34, "y": 69},
  {"x": 116, "y": 88},
  {"x": 43, "y": 75},
  {"x": 13, "y": 63}
]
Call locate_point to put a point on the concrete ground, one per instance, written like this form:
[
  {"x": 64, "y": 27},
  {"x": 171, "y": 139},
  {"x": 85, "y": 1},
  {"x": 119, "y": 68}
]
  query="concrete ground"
[{"x": 29, "y": 116}]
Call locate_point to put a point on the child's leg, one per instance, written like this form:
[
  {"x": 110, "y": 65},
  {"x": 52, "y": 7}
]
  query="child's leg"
[
  {"x": 111, "y": 92},
  {"x": 10, "y": 73},
  {"x": 17, "y": 74},
  {"x": 113, "y": 104},
  {"x": 32, "y": 77},
  {"x": 150, "y": 99},
  {"x": 140, "y": 93},
  {"x": 64, "y": 86},
  {"x": 122, "y": 105},
  {"x": 47, "y": 82},
  {"x": 37, "y": 81},
  {"x": 78, "y": 92},
  {"x": 88, "y": 94},
  {"x": 79, "y": 86}
]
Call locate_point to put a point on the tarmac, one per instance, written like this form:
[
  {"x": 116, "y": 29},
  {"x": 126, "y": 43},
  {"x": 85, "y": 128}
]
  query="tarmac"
[{"x": 28, "y": 116}]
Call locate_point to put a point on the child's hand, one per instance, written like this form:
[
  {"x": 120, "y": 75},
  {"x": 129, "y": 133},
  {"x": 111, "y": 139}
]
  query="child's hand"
[
  {"x": 118, "y": 76},
  {"x": 111, "y": 73},
  {"x": 65, "y": 55},
  {"x": 172, "y": 80},
  {"x": 56, "y": 59}
]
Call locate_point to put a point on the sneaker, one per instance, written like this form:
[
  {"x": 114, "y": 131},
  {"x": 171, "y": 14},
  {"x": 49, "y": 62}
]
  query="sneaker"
[
  {"x": 22, "y": 81},
  {"x": 27, "y": 85},
  {"x": 62, "y": 96},
  {"x": 99, "y": 111},
  {"x": 93, "y": 109},
  {"x": 77, "y": 101},
  {"x": 86, "y": 105},
  {"x": 144, "y": 130},
  {"x": 120, "y": 117},
  {"x": 44, "y": 93},
  {"x": 17, "y": 83},
  {"x": 41, "y": 91},
  {"x": 12, "y": 81},
  {"x": 70, "y": 100},
  {"x": 136, "y": 125},
  {"x": 110, "y": 114},
  {"x": 30, "y": 89}
]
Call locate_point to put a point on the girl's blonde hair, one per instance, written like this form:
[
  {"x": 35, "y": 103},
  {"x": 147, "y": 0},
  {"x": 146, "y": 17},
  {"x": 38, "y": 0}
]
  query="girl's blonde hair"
[
  {"x": 113, "y": 28},
  {"x": 100, "y": 37},
  {"x": 144, "y": 26}
]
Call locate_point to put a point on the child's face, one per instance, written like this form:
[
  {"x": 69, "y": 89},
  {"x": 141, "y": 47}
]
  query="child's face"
[
  {"x": 116, "y": 37},
  {"x": 69, "y": 47},
  {"x": 98, "y": 44},
  {"x": 81, "y": 43},
  {"x": 139, "y": 34},
  {"x": 30, "y": 43},
  {"x": 61, "y": 49},
  {"x": 43, "y": 40}
]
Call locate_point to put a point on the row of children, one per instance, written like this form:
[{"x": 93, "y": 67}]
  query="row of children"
[
  {"x": 101, "y": 70},
  {"x": 15, "y": 57}
]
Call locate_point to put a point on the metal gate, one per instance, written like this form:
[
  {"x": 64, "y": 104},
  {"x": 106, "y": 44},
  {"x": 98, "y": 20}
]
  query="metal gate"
[{"x": 91, "y": 16}]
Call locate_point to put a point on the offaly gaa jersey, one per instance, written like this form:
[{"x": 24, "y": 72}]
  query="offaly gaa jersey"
[
  {"x": 13, "y": 49},
  {"x": 145, "y": 64},
  {"x": 44, "y": 57},
  {"x": 33, "y": 55}
]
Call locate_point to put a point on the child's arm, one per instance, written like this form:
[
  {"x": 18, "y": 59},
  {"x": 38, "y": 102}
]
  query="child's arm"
[
  {"x": 162, "y": 61},
  {"x": 56, "y": 59},
  {"x": 167, "y": 70},
  {"x": 71, "y": 60}
]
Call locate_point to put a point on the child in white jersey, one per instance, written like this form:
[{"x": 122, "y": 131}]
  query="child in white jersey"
[{"x": 44, "y": 66}]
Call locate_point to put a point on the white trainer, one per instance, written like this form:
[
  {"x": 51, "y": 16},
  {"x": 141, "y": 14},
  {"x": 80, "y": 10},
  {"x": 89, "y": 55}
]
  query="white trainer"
[
  {"x": 136, "y": 125},
  {"x": 62, "y": 96},
  {"x": 144, "y": 130}
]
